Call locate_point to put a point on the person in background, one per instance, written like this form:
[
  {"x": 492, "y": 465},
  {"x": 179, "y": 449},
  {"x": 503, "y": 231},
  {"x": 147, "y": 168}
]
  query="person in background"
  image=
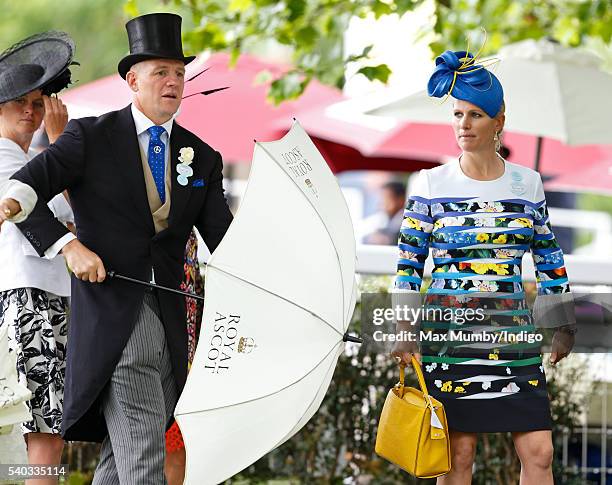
[
  {"x": 192, "y": 283},
  {"x": 34, "y": 290},
  {"x": 393, "y": 197}
]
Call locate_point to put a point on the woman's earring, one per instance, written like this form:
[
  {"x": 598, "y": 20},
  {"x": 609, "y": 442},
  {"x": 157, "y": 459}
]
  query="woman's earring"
[{"x": 497, "y": 142}]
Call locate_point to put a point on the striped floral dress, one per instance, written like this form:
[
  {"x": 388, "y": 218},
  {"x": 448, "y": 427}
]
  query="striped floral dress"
[
  {"x": 192, "y": 283},
  {"x": 478, "y": 338}
]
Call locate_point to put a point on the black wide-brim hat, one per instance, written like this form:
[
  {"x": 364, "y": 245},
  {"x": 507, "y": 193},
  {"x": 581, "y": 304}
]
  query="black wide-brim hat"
[
  {"x": 153, "y": 36},
  {"x": 38, "y": 62}
]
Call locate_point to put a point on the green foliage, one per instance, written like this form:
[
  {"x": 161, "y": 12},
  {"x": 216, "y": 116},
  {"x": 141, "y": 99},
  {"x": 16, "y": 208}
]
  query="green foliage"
[
  {"x": 570, "y": 22},
  {"x": 379, "y": 73},
  {"x": 290, "y": 86},
  {"x": 313, "y": 30},
  {"x": 594, "y": 202},
  {"x": 79, "y": 478},
  {"x": 98, "y": 28}
]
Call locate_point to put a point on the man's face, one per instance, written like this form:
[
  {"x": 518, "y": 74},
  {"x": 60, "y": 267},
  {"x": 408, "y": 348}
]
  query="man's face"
[{"x": 158, "y": 86}]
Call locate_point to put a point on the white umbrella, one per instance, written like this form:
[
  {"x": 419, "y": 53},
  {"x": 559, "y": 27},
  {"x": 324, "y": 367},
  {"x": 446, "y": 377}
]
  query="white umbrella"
[
  {"x": 550, "y": 91},
  {"x": 280, "y": 293}
]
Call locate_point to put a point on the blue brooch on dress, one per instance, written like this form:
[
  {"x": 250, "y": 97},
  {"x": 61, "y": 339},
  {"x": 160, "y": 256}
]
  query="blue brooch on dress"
[{"x": 517, "y": 187}]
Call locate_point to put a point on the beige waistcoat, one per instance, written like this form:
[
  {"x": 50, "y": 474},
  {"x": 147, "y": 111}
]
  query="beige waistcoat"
[{"x": 158, "y": 211}]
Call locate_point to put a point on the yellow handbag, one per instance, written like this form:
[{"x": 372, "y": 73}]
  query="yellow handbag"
[{"x": 412, "y": 431}]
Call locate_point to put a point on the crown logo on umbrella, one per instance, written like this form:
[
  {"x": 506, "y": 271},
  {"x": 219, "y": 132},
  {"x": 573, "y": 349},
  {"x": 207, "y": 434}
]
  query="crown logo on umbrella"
[{"x": 246, "y": 345}]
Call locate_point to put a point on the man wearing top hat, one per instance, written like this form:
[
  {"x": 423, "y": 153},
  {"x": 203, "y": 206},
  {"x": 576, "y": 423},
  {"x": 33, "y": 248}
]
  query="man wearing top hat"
[{"x": 138, "y": 182}]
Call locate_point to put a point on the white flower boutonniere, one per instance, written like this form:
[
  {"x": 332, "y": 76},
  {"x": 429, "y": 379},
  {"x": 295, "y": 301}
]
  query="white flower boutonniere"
[{"x": 184, "y": 170}]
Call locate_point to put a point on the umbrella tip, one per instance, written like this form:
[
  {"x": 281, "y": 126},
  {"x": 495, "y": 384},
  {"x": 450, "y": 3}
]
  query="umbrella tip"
[
  {"x": 294, "y": 119},
  {"x": 254, "y": 140},
  {"x": 350, "y": 338}
]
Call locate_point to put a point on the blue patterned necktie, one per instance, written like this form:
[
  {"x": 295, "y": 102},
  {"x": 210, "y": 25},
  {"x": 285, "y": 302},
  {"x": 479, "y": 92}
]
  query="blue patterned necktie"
[{"x": 157, "y": 158}]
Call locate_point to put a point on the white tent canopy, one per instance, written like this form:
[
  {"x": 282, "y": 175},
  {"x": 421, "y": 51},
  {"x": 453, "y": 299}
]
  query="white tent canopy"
[{"x": 550, "y": 91}]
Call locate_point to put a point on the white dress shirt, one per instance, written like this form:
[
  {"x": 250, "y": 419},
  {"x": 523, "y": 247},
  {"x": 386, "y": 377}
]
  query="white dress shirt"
[
  {"x": 21, "y": 265},
  {"x": 142, "y": 124}
]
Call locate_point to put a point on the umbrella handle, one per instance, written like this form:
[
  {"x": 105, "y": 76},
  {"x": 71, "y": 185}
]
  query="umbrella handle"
[{"x": 114, "y": 275}]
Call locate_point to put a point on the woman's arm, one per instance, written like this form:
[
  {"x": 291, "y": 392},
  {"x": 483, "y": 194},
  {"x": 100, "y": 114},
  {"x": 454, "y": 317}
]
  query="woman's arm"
[
  {"x": 413, "y": 247},
  {"x": 22, "y": 197},
  {"x": 554, "y": 304}
]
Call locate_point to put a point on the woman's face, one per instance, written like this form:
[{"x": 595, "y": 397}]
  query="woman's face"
[
  {"x": 22, "y": 116},
  {"x": 474, "y": 129}
]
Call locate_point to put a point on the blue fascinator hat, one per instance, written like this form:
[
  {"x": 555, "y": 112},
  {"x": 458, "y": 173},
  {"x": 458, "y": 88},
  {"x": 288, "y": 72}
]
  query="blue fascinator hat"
[{"x": 457, "y": 74}]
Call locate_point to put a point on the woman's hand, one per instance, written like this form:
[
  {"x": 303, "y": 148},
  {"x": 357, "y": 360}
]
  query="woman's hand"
[
  {"x": 404, "y": 351},
  {"x": 562, "y": 344},
  {"x": 404, "y": 348},
  {"x": 8, "y": 209},
  {"x": 56, "y": 117}
]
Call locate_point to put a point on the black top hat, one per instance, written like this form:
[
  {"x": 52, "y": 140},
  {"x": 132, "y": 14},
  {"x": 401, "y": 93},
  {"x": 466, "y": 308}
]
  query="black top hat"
[
  {"x": 153, "y": 36},
  {"x": 38, "y": 62}
]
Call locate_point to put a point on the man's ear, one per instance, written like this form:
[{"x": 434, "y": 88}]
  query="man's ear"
[{"x": 130, "y": 77}]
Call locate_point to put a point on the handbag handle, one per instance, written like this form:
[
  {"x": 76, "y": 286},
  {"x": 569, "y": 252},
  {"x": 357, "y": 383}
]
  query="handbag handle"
[
  {"x": 419, "y": 373},
  {"x": 437, "y": 429}
]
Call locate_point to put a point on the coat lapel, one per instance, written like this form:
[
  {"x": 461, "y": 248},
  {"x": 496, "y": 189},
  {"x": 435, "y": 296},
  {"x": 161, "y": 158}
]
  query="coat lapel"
[
  {"x": 124, "y": 141},
  {"x": 180, "y": 193}
]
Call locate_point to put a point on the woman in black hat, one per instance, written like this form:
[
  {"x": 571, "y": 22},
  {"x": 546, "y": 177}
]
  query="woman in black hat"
[{"x": 34, "y": 290}]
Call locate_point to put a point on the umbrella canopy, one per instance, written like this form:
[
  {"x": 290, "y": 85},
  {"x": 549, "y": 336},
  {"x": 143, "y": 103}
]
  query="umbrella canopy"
[
  {"x": 280, "y": 293},
  {"x": 596, "y": 179},
  {"x": 244, "y": 106},
  {"x": 551, "y": 91},
  {"x": 380, "y": 143}
]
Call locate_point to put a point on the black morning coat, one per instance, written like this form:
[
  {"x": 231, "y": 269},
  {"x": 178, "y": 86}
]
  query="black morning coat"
[{"x": 98, "y": 161}]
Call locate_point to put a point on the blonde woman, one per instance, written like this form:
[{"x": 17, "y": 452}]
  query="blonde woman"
[
  {"x": 479, "y": 214},
  {"x": 34, "y": 291}
]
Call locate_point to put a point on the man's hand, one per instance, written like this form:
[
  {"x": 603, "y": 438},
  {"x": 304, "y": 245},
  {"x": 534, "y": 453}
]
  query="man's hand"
[
  {"x": 85, "y": 264},
  {"x": 56, "y": 117},
  {"x": 562, "y": 344},
  {"x": 8, "y": 209}
]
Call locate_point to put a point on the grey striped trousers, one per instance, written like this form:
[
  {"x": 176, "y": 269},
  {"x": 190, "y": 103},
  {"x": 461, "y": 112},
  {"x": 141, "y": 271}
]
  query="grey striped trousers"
[{"x": 138, "y": 401}]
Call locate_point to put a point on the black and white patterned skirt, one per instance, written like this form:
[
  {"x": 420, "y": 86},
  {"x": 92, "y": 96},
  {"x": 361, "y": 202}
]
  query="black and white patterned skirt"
[{"x": 37, "y": 333}]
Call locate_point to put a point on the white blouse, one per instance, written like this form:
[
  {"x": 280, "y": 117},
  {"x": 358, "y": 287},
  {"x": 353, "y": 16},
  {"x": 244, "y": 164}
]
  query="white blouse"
[{"x": 20, "y": 265}]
